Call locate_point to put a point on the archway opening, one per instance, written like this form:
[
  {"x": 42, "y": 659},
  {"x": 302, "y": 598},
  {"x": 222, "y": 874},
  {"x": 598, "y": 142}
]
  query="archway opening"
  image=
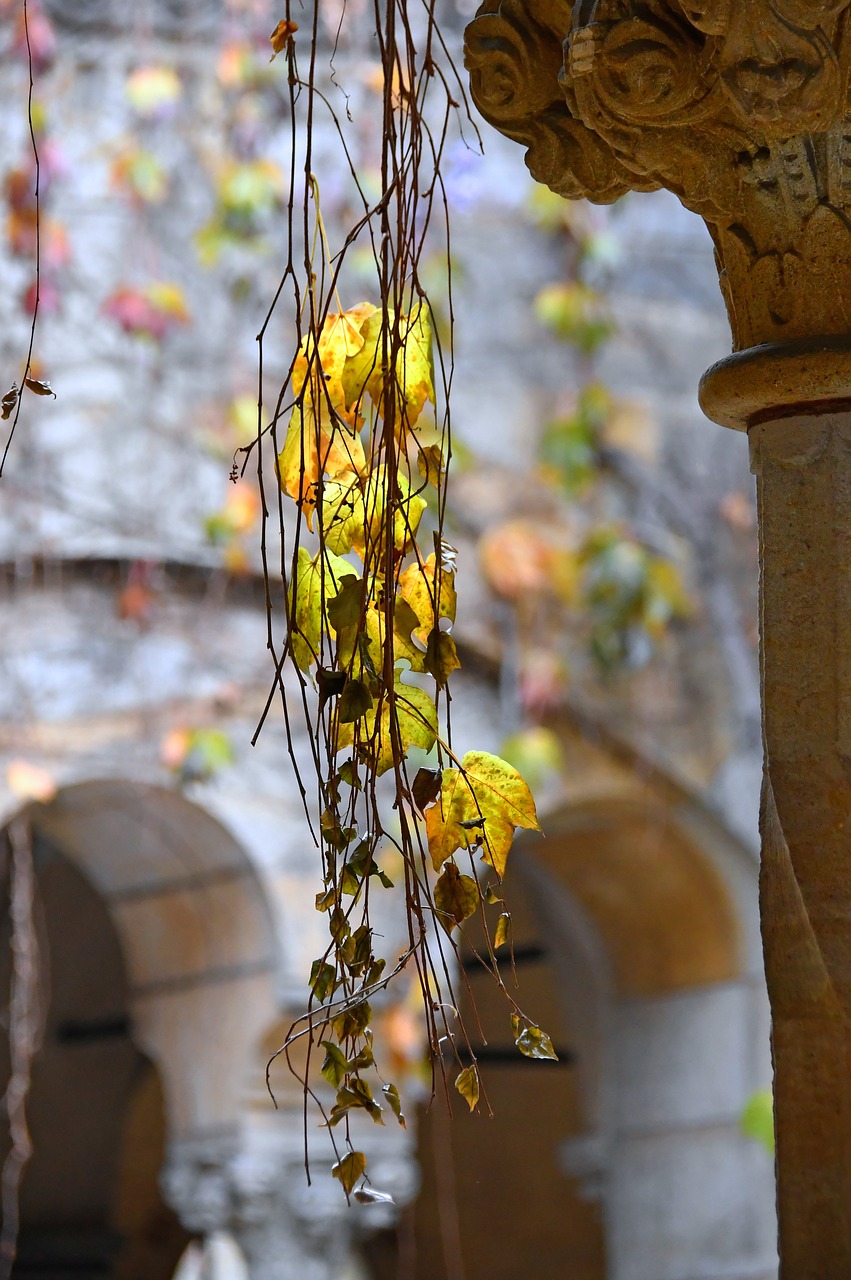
[{"x": 89, "y": 1200}]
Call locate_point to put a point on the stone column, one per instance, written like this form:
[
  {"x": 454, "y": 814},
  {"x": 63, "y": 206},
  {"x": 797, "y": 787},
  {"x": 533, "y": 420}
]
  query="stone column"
[{"x": 741, "y": 107}]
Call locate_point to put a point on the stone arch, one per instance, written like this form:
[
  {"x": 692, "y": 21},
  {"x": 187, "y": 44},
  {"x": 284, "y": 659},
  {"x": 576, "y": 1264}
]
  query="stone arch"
[
  {"x": 660, "y": 904},
  {"x": 196, "y": 935}
]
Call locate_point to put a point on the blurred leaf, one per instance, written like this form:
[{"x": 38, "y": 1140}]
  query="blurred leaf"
[
  {"x": 152, "y": 91},
  {"x": 757, "y": 1119},
  {"x": 39, "y": 387},
  {"x": 576, "y": 314},
  {"x": 503, "y": 930},
  {"x": 535, "y": 753}
]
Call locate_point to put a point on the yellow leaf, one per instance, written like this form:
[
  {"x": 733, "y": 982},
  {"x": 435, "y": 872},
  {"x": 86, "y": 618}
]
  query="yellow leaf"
[
  {"x": 503, "y": 930},
  {"x": 415, "y": 368},
  {"x": 430, "y": 598},
  {"x": 467, "y": 1084},
  {"x": 485, "y": 801},
  {"x": 331, "y": 364},
  {"x": 310, "y": 452},
  {"x": 354, "y": 515},
  {"x": 314, "y": 582},
  {"x": 416, "y": 719},
  {"x": 456, "y": 897}
]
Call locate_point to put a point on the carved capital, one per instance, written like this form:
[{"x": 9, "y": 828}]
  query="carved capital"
[{"x": 741, "y": 109}]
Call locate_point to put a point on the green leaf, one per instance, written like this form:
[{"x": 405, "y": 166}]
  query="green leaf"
[
  {"x": 503, "y": 930},
  {"x": 485, "y": 790},
  {"x": 535, "y": 1043},
  {"x": 467, "y": 1084},
  {"x": 394, "y": 1102},
  {"x": 335, "y": 1066},
  {"x": 353, "y": 1021},
  {"x": 323, "y": 978},
  {"x": 355, "y": 701},
  {"x": 345, "y": 609},
  {"x": 349, "y": 1169},
  {"x": 456, "y": 897},
  {"x": 757, "y": 1119},
  {"x": 416, "y": 717}
]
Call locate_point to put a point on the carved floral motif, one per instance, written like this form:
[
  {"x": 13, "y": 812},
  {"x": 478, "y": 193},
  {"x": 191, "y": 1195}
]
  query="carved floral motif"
[{"x": 739, "y": 108}]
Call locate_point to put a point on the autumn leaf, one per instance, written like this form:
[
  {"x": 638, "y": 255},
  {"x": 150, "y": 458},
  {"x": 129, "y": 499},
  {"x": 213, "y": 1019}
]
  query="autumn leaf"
[
  {"x": 426, "y": 787},
  {"x": 415, "y": 366},
  {"x": 441, "y": 657},
  {"x": 467, "y": 1084},
  {"x": 503, "y": 930},
  {"x": 281, "y": 37},
  {"x": 310, "y": 451},
  {"x": 349, "y": 1169},
  {"x": 430, "y": 594},
  {"x": 535, "y": 1043},
  {"x": 10, "y": 399},
  {"x": 394, "y": 1102},
  {"x": 416, "y": 717},
  {"x": 40, "y": 387},
  {"x": 456, "y": 897},
  {"x": 487, "y": 799},
  {"x": 313, "y": 581}
]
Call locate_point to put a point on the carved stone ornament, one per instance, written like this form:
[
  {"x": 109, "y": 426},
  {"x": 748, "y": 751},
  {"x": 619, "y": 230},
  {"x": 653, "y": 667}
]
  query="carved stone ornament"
[{"x": 740, "y": 107}]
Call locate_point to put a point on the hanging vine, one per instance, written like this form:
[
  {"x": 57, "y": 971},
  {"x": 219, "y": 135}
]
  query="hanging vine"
[{"x": 362, "y": 600}]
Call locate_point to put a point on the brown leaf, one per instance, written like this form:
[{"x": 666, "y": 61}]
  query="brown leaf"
[
  {"x": 40, "y": 387},
  {"x": 426, "y": 787},
  {"x": 456, "y": 897},
  {"x": 535, "y": 1043},
  {"x": 281, "y": 36}
]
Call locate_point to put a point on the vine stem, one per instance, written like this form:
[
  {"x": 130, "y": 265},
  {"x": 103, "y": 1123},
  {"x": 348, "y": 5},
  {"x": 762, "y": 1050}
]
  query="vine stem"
[{"x": 36, "y": 193}]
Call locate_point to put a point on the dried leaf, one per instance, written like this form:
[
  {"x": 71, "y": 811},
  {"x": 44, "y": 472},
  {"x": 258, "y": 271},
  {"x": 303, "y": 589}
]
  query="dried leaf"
[
  {"x": 40, "y": 387},
  {"x": 456, "y": 897},
  {"x": 7, "y": 404},
  {"x": 467, "y": 1084},
  {"x": 349, "y": 1169},
  {"x": 281, "y": 37},
  {"x": 367, "y": 1195},
  {"x": 426, "y": 787},
  {"x": 535, "y": 1043}
]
